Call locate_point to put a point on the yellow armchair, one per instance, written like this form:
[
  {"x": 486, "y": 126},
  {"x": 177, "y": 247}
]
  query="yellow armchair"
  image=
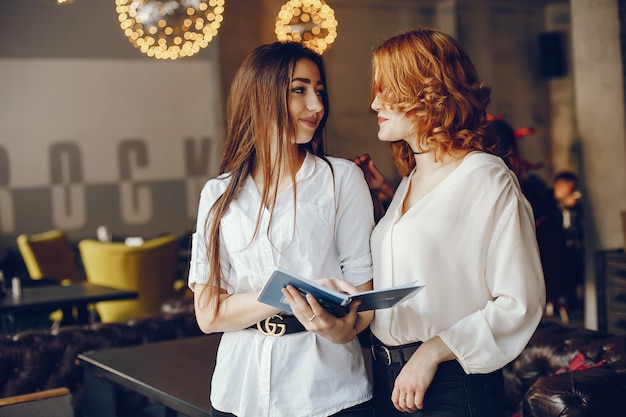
[
  {"x": 49, "y": 255},
  {"x": 149, "y": 269}
]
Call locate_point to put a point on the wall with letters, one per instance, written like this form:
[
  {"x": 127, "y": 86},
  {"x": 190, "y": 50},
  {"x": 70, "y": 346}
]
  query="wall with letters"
[
  {"x": 98, "y": 134},
  {"x": 93, "y": 143}
]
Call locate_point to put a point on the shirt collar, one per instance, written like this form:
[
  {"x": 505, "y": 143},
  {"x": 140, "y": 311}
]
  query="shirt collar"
[{"x": 306, "y": 170}]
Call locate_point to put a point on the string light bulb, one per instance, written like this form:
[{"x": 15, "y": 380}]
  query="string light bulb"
[
  {"x": 311, "y": 22},
  {"x": 170, "y": 29}
]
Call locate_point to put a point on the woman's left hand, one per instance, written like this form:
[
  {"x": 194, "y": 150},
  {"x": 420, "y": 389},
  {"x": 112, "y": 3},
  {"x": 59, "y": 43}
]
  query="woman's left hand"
[
  {"x": 417, "y": 375},
  {"x": 317, "y": 320}
]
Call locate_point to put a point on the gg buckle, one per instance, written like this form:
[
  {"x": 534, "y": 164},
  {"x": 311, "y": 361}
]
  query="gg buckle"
[{"x": 267, "y": 328}]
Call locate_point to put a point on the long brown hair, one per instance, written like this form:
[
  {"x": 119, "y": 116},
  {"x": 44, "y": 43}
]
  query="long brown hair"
[
  {"x": 426, "y": 74},
  {"x": 256, "y": 113}
]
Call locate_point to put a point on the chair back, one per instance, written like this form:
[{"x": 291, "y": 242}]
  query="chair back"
[
  {"x": 50, "y": 403},
  {"x": 49, "y": 255},
  {"x": 149, "y": 269}
]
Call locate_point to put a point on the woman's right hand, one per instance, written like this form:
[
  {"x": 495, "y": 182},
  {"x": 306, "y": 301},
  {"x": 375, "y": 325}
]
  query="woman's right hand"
[{"x": 316, "y": 319}]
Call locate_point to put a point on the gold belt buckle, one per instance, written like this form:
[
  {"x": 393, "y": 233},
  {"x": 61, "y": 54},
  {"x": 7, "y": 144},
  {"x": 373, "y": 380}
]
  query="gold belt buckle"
[{"x": 267, "y": 328}]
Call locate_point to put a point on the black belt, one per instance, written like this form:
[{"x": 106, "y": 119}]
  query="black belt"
[
  {"x": 279, "y": 325},
  {"x": 392, "y": 354}
]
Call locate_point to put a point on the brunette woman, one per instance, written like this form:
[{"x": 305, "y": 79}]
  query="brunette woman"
[{"x": 279, "y": 202}]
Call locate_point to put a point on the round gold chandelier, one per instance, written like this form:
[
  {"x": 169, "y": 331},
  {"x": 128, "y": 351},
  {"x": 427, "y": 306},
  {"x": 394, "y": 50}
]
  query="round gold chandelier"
[
  {"x": 311, "y": 22},
  {"x": 170, "y": 29}
]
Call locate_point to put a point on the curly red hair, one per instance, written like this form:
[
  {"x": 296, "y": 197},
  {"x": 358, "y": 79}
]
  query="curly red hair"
[{"x": 426, "y": 74}]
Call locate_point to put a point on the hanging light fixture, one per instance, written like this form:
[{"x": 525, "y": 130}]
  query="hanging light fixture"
[
  {"x": 170, "y": 29},
  {"x": 311, "y": 22}
]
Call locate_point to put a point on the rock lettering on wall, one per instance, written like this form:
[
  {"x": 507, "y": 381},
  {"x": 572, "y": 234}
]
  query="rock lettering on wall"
[
  {"x": 197, "y": 164},
  {"x": 106, "y": 141},
  {"x": 135, "y": 200},
  {"x": 73, "y": 204},
  {"x": 67, "y": 193}
]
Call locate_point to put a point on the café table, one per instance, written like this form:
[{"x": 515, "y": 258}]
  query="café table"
[
  {"x": 48, "y": 298},
  {"x": 175, "y": 374}
]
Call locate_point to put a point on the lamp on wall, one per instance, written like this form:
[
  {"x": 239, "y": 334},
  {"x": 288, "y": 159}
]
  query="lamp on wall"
[
  {"x": 170, "y": 29},
  {"x": 311, "y": 22}
]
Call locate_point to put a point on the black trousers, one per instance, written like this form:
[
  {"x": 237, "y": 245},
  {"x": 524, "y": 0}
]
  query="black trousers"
[{"x": 452, "y": 393}]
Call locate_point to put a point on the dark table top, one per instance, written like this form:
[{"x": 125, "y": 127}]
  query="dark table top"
[
  {"x": 52, "y": 297},
  {"x": 176, "y": 373}
]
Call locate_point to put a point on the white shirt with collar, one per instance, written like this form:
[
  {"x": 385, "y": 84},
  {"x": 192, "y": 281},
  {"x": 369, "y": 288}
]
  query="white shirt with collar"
[
  {"x": 301, "y": 373},
  {"x": 472, "y": 242}
]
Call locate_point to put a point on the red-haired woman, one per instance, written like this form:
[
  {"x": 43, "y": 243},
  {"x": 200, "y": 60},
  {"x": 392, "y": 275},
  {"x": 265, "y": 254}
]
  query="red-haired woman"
[{"x": 459, "y": 224}]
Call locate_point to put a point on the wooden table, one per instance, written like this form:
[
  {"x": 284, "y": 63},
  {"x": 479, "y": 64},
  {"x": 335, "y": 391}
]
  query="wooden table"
[
  {"x": 176, "y": 374},
  {"x": 48, "y": 298}
]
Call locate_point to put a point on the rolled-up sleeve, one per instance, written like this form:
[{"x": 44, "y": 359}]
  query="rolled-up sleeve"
[
  {"x": 198, "y": 265},
  {"x": 355, "y": 221}
]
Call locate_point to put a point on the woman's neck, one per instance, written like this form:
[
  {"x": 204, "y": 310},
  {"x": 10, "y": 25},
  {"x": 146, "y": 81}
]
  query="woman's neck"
[
  {"x": 434, "y": 160},
  {"x": 281, "y": 176}
]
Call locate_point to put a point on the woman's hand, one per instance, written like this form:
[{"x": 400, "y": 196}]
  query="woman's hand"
[
  {"x": 418, "y": 373},
  {"x": 382, "y": 192},
  {"x": 338, "y": 285},
  {"x": 317, "y": 320},
  {"x": 375, "y": 180}
]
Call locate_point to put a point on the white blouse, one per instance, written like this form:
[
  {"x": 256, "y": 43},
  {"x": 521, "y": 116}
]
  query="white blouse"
[
  {"x": 300, "y": 373},
  {"x": 472, "y": 242}
]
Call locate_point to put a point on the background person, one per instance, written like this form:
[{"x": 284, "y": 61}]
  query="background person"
[{"x": 569, "y": 198}]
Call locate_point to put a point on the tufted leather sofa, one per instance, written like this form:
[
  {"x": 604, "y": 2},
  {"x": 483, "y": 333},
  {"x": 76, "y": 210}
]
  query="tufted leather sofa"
[
  {"x": 34, "y": 361},
  {"x": 568, "y": 372}
]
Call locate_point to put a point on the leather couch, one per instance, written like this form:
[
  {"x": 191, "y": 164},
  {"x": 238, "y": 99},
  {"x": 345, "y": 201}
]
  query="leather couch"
[
  {"x": 32, "y": 361},
  {"x": 568, "y": 372}
]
